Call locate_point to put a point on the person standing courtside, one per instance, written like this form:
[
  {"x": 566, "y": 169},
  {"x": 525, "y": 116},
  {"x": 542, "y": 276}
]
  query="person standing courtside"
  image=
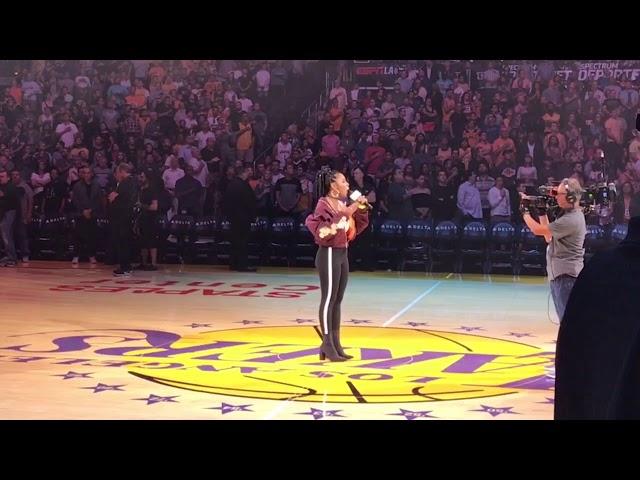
[
  {"x": 242, "y": 208},
  {"x": 122, "y": 201}
]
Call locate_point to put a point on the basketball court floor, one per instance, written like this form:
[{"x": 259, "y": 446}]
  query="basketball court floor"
[{"x": 201, "y": 342}]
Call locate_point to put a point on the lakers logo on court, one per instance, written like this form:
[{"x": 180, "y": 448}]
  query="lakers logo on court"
[{"x": 391, "y": 365}]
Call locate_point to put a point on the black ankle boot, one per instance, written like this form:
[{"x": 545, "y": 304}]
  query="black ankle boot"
[
  {"x": 328, "y": 350},
  {"x": 336, "y": 343}
]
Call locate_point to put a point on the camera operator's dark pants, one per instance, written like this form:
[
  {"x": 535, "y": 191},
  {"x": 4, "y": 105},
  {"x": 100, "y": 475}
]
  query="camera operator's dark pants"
[
  {"x": 560, "y": 290},
  {"x": 85, "y": 233},
  {"x": 123, "y": 237}
]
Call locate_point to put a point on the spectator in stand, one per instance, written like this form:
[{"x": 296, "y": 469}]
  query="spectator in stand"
[
  {"x": 339, "y": 94},
  {"x": 282, "y": 150},
  {"x": 420, "y": 198},
  {"x": 174, "y": 106},
  {"x": 23, "y": 213},
  {"x": 189, "y": 193},
  {"x": 39, "y": 180},
  {"x": 403, "y": 160},
  {"x": 398, "y": 199},
  {"x": 499, "y": 200},
  {"x": 615, "y": 127},
  {"x": 469, "y": 202},
  {"x": 374, "y": 156},
  {"x": 527, "y": 173},
  {"x": 244, "y": 142},
  {"x": 278, "y": 82},
  {"x": 331, "y": 143},
  {"x": 627, "y": 204},
  {"x": 264, "y": 194},
  {"x": 443, "y": 199},
  {"x": 170, "y": 176},
  {"x": 288, "y": 192},
  {"x": 630, "y": 175},
  {"x": 502, "y": 145},
  {"x": 304, "y": 203},
  {"x": 203, "y": 136},
  {"x": 66, "y": 131},
  {"x": 484, "y": 182},
  {"x": 263, "y": 80}
]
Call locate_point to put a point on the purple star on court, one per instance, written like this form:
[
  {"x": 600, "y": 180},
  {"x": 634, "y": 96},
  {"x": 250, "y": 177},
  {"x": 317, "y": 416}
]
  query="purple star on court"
[
  {"x": 519, "y": 335},
  {"x": 411, "y": 415},
  {"x": 357, "y": 322},
  {"x": 304, "y": 320},
  {"x": 470, "y": 329},
  {"x": 417, "y": 324},
  {"x": 318, "y": 414},
  {"x": 495, "y": 411},
  {"x": 151, "y": 399},
  {"x": 101, "y": 387},
  {"x": 228, "y": 408},
  {"x": 69, "y": 375},
  {"x": 548, "y": 401},
  {"x": 199, "y": 325},
  {"x": 249, "y": 322},
  {"x": 27, "y": 359}
]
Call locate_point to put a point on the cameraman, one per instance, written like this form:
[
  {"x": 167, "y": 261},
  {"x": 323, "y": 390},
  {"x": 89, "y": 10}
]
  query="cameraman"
[{"x": 565, "y": 236}]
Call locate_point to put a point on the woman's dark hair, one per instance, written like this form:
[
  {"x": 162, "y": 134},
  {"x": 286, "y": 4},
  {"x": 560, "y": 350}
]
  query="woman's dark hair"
[
  {"x": 357, "y": 167},
  {"x": 622, "y": 188},
  {"x": 324, "y": 177}
]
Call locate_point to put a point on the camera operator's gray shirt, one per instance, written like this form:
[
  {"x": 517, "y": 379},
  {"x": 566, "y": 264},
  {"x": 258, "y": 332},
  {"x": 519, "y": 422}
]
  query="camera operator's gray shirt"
[{"x": 565, "y": 252}]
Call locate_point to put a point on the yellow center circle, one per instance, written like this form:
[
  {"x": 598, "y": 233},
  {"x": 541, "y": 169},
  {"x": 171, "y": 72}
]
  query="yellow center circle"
[{"x": 390, "y": 365}]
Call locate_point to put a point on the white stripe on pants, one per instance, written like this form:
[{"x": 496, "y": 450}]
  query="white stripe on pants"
[{"x": 325, "y": 317}]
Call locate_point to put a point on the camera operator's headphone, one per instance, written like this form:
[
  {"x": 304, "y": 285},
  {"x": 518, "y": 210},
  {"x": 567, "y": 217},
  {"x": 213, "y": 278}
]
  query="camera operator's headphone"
[{"x": 572, "y": 195}]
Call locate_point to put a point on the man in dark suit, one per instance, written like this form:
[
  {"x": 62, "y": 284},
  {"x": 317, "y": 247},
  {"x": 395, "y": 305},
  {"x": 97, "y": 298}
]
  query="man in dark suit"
[
  {"x": 431, "y": 72},
  {"x": 241, "y": 209},
  {"x": 88, "y": 201},
  {"x": 532, "y": 146},
  {"x": 122, "y": 201},
  {"x": 9, "y": 205},
  {"x": 598, "y": 350}
]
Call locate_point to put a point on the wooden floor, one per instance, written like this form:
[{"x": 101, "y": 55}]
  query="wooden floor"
[{"x": 204, "y": 343}]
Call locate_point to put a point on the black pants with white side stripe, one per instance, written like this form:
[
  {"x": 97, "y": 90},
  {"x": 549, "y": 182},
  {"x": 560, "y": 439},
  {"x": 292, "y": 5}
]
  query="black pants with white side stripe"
[{"x": 333, "y": 267}]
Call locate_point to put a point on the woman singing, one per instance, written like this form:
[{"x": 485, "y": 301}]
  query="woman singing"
[{"x": 333, "y": 226}]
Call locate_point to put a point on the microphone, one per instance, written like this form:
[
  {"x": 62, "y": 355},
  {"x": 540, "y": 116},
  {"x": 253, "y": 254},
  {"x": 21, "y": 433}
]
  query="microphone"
[{"x": 355, "y": 195}]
